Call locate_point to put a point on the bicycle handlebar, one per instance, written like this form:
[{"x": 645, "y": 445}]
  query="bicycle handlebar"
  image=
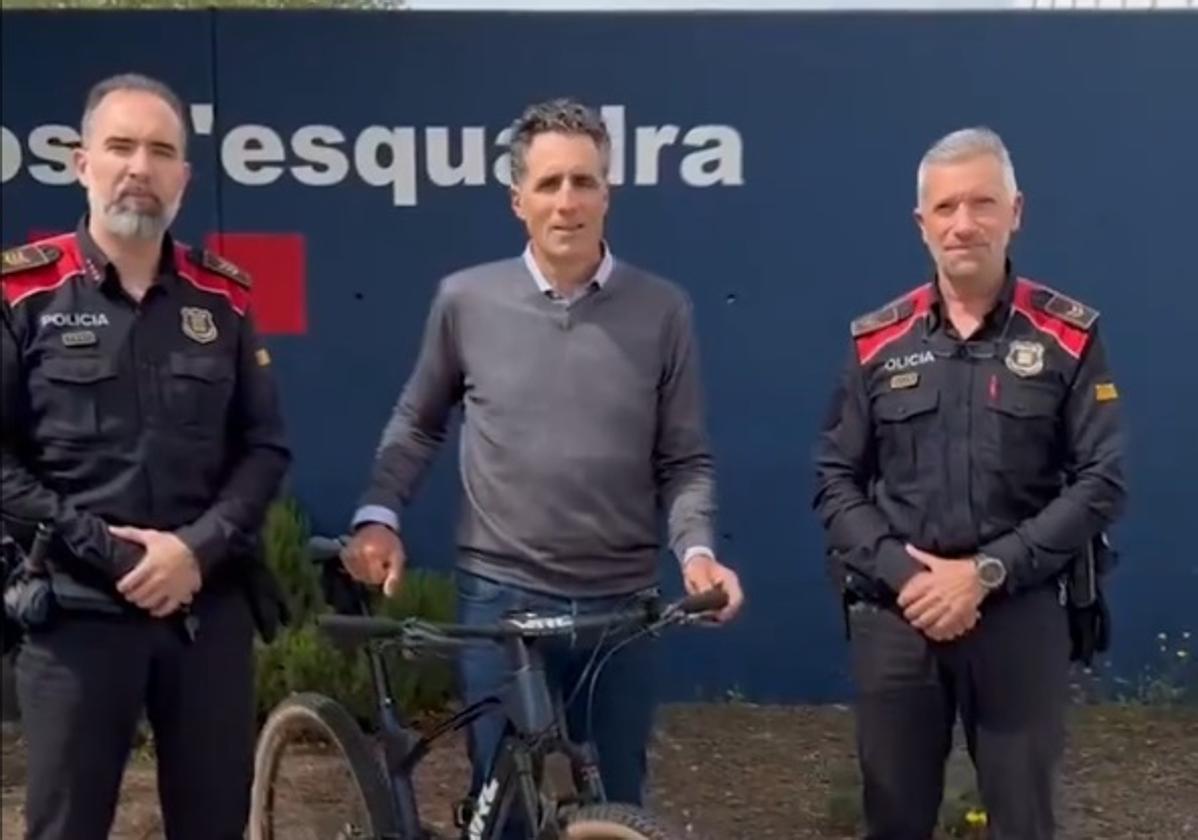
[{"x": 353, "y": 629}]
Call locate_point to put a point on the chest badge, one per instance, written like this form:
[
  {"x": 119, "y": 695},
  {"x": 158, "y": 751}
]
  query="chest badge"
[
  {"x": 198, "y": 324},
  {"x": 1025, "y": 358}
]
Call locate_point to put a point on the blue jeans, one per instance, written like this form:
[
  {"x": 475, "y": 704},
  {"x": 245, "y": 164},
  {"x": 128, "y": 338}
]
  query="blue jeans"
[{"x": 624, "y": 699}]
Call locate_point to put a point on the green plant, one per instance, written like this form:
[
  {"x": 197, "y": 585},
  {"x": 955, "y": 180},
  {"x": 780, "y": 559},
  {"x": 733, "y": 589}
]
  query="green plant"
[
  {"x": 301, "y": 658},
  {"x": 1170, "y": 678},
  {"x": 285, "y": 537},
  {"x": 962, "y": 815},
  {"x": 425, "y": 685},
  {"x": 844, "y": 813}
]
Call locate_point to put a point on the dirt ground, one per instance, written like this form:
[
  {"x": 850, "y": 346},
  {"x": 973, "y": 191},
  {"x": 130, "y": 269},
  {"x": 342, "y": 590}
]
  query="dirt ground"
[{"x": 732, "y": 771}]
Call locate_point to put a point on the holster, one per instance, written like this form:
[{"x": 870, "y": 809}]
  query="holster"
[
  {"x": 36, "y": 592},
  {"x": 855, "y": 587},
  {"x": 73, "y": 595},
  {"x": 1085, "y": 602}
]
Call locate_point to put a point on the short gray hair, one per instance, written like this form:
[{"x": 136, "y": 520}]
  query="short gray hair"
[
  {"x": 131, "y": 81},
  {"x": 962, "y": 145},
  {"x": 561, "y": 116}
]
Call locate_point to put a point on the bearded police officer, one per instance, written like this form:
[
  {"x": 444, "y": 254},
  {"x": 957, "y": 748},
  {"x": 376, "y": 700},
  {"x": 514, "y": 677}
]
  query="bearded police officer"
[
  {"x": 971, "y": 454},
  {"x": 141, "y": 425}
]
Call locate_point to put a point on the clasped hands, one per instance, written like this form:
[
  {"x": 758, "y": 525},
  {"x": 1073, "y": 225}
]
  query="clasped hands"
[{"x": 942, "y": 601}]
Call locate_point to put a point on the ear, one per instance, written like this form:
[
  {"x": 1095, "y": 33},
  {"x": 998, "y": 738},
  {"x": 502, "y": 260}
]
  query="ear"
[
  {"x": 79, "y": 163},
  {"x": 517, "y": 205},
  {"x": 917, "y": 214},
  {"x": 1017, "y": 211}
]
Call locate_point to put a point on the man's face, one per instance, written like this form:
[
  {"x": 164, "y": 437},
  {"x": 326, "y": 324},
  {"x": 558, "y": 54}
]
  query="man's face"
[
  {"x": 562, "y": 198},
  {"x": 132, "y": 164},
  {"x": 967, "y": 217}
]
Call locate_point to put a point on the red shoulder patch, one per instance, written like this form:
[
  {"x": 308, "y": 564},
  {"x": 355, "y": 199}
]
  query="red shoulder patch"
[
  {"x": 1068, "y": 332},
  {"x": 37, "y": 267},
  {"x": 215, "y": 275},
  {"x": 887, "y": 325}
]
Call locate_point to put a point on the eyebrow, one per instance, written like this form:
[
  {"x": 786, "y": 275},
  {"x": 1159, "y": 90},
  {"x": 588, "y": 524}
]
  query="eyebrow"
[
  {"x": 560, "y": 176},
  {"x": 160, "y": 145}
]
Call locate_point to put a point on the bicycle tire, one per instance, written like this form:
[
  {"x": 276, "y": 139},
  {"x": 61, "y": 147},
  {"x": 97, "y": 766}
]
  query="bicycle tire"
[
  {"x": 618, "y": 822},
  {"x": 307, "y": 712}
]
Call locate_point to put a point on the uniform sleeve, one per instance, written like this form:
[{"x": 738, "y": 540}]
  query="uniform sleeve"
[
  {"x": 682, "y": 459},
  {"x": 27, "y": 501},
  {"x": 261, "y": 457},
  {"x": 845, "y": 465},
  {"x": 419, "y": 421},
  {"x": 1041, "y": 546}
]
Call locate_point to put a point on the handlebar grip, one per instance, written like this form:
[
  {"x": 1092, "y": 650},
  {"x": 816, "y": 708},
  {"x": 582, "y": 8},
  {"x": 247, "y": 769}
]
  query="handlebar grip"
[
  {"x": 357, "y": 629},
  {"x": 321, "y": 549},
  {"x": 710, "y": 600}
]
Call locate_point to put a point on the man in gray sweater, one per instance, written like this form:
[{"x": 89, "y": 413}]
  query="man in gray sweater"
[{"x": 582, "y": 419}]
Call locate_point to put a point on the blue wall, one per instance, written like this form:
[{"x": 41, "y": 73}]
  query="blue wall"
[{"x": 832, "y": 112}]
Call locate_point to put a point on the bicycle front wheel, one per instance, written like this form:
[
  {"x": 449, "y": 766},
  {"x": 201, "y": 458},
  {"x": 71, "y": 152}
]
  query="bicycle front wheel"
[
  {"x": 316, "y": 777},
  {"x": 618, "y": 822}
]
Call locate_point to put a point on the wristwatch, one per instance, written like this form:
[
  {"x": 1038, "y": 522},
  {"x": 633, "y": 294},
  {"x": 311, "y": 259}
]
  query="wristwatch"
[{"x": 992, "y": 572}]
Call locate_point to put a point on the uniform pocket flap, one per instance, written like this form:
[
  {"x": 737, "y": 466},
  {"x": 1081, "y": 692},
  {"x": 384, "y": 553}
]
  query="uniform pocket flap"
[
  {"x": 1026, "y": 400},
  {"x": 898, "y": 406},
  {"x": 207, "y": 368},
  {"x": 79, "y": 370}
]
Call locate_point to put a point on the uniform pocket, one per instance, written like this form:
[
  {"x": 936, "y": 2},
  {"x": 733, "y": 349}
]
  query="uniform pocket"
[
  {"x": 905, "y": 422},
  {"x": 1024, "y": 427},
  {"x": 198, "y": 390},
  {"x": 74, "y": 399}
]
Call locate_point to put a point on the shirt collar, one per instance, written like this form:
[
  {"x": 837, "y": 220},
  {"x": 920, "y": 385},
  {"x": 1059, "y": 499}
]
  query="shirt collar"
[
  {"x": 998, "y": 312},
  {"x": 100, "y": 268},
  {"x": 600, "y": 278}
]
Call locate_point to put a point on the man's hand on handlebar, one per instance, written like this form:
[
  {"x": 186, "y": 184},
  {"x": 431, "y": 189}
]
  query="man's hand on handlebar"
[
  {"x": 375, "y": 555},
  {"x": 703, "y": 572}
]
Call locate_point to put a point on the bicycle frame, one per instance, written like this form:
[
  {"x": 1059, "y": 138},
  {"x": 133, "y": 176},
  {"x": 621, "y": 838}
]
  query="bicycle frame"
[{"x": 532, "y": 713}]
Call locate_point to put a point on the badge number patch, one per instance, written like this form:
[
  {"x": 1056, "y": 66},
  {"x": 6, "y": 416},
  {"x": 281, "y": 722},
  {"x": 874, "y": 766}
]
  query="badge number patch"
[
  {"x": 198, "y": 324},
  {"x": 904, "y": 380},
  {"x": 79, "y": 338}
]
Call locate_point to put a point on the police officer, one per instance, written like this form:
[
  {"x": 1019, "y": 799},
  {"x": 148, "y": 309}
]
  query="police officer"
[
  {"x": 971, "y": 453},
  {"x": 141, "y": 423}
]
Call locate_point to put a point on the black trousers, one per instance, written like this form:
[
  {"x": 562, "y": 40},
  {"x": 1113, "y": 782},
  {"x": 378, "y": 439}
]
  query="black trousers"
[
  {"x": 82, "y": 686},
  {"x": 1008, "y": 680}
]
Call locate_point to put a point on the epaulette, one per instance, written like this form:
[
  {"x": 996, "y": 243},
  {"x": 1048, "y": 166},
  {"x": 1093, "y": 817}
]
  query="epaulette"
[
  {"x": 217, "y": 264},
  {"x": 1065, "y": 308},
  {"x": 891, "y": 313},
  {"x": 26, "y": 257}
]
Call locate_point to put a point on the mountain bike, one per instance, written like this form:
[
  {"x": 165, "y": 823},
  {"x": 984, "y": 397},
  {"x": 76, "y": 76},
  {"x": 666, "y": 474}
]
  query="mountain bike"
[{"x": 541, "y": 779}]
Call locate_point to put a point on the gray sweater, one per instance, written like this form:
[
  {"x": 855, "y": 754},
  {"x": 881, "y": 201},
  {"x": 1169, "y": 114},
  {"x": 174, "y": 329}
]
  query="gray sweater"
[{"x": 580, "y": 423}]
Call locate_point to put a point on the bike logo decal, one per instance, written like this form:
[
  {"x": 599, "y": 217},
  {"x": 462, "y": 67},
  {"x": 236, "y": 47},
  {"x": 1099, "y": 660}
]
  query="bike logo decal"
[
  {"x": 486, "y": 801},
  {"x": 551, "y": 622}
]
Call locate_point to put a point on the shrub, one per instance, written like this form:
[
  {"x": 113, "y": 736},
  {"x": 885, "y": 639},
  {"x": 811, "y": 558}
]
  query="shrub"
[{"x": 301, "y": 658}]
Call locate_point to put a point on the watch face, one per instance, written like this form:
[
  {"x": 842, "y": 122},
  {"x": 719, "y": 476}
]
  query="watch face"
[{"x": 991, "y": 571}]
